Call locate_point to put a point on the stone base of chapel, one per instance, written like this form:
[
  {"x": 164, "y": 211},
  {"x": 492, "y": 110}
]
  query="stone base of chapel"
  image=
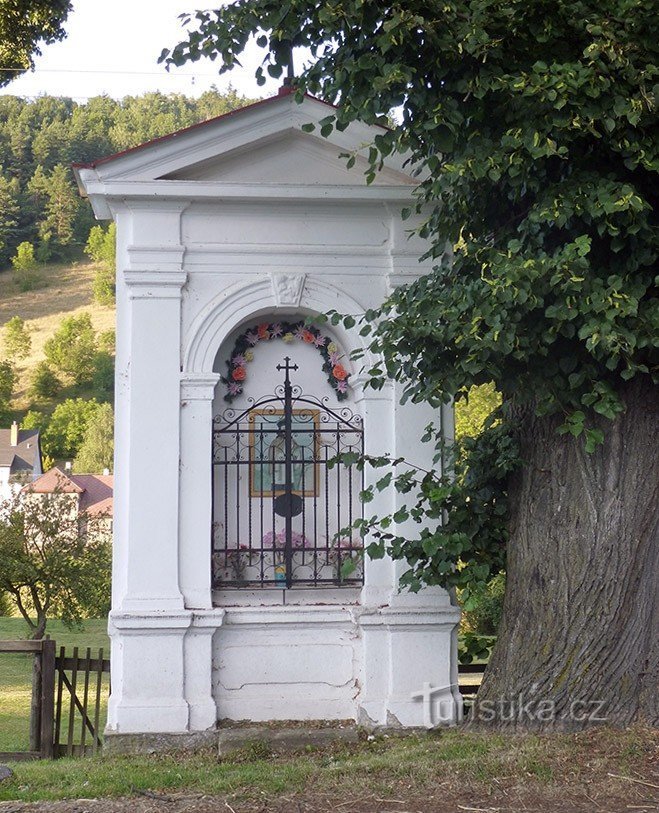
[{"x": 181, "y": 672}]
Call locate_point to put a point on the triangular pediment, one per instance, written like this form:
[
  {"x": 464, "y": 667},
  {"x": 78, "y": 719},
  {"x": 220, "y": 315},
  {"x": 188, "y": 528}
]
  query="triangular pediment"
[
  {"x": 263, "y": 150},
  {"x": 290, "y": 158}
]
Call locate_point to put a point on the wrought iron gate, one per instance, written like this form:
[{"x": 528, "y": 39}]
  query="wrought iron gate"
[{"x": 286, "y": 492}]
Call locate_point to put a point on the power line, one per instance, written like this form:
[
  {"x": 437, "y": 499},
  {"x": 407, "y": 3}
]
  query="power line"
[{"x": 113, "y": 72}]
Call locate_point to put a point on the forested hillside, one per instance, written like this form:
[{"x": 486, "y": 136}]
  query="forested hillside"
[
  {"x": 56, "y": 307},
  {"x": 40, "y": 138}
]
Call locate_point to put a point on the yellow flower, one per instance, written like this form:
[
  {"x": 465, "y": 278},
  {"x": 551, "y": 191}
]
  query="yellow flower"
[
  {"x": 249, "y": 355},
  {"x": 332, "y": 348},
  {"x": 288, "y": 337}
]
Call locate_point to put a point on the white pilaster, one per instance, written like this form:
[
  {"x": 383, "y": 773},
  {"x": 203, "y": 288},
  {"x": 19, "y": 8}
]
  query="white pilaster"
[
  {"x": 153, "y": 435},
  {"x": 196, "y": 503},
  {"x": 379, "y": 431}
]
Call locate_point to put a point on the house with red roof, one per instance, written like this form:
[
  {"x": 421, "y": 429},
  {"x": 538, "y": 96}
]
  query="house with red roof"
[{"x": 90, "y": 495}]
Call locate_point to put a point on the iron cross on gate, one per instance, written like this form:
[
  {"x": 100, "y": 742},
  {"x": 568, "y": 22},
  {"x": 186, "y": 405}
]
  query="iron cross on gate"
[{"x": 288, "y": 504}]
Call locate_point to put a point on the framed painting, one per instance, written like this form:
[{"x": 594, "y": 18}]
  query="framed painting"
[{"x": 267, "y": 452}]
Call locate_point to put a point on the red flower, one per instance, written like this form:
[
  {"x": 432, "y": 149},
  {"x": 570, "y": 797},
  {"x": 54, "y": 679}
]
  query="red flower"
[
  {"x": 339, "y": 372},
  {"x": 308, "y": 337},
  {"x": 262, "y": 331},
  {"x": 239, "y": 374}
]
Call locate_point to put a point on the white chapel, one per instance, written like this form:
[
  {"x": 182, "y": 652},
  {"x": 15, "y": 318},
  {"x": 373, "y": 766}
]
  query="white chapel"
[{"x": 240, "y": 589}]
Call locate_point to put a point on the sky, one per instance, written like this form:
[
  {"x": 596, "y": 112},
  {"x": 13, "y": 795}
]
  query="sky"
[{"x": 112, "y": 48}]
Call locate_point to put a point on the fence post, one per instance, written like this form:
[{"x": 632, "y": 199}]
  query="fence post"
[
  {"x": 47, "y": 698},
  {"x": 35, "y": 706}
]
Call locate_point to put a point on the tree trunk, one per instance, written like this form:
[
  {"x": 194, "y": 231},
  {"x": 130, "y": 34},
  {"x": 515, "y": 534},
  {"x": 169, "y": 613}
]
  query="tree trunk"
[{"x": 579, "y": 637}]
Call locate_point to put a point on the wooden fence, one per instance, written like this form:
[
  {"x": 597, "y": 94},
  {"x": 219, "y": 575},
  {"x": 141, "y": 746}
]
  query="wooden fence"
[{"x": 67, "y": 694}]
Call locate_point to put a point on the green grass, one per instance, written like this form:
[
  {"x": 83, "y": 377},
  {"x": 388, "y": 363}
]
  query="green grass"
[
  {"x": 453, "y": 762},
  {"x": 16, "y": 673}
]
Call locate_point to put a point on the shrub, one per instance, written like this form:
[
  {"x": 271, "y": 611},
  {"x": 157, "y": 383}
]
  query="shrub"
[
  {"x": 107, "y": 341},
  {"x": 33, "y": 419},
  {"x": 73, "y": 347},
  {"x": 101, "y": 247},
  {"x": 485, "y": 607},
  {"x": 104, "y": 286},
  {"x": 26, "y": 270},
  {"x": 103, "y": 380},
  {"x": 7, "y": 380},
  {"x": 97, "y": 449},
  {"x": 44, "y": 382},
  {"x": 66, "y": 428},
  {"x": 16, "y": 339}
]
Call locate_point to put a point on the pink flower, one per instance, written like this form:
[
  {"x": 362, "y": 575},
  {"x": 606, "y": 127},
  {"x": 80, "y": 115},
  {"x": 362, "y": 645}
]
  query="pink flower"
[
  {"x": 342, "y": 386},
  {"x": 268, "y": 540},
  {"x": 299, "y": 333},
  {"x": 235, "y": 388},
  {"x": 276, "y": 331},
  {"x": 334, "y": 358},
  {"x": 239, "y": 360},
  {"x": 252, "y": 338},
  {"x": 319, "y": 341}
]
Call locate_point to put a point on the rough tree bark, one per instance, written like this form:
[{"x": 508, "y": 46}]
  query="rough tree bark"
[{"x": 579, "y": 637}]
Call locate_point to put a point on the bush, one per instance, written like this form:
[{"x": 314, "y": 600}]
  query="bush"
[
  {"x": 97, "y": 449},
  {"x": 26, "y": 269},
  {"x": 66, "y": 428},
  {"x": 104, "y": 286},
  {"x": 103, "y": 381},
  {"x": 33, "y": 419},
  {"x": 44, "y": 382},
  {"x": 16, "y": 339},
  {"x": 485, "y": 607},
  {"x": 7, "y": 380},
  {"x": 101, "y": 247},
  {"x": 73, "y": 347},
  {"x": 107, "y": 341}
]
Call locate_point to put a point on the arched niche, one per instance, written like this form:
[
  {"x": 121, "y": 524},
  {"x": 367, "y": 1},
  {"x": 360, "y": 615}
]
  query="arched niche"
[{"x": 250, "y": 522}]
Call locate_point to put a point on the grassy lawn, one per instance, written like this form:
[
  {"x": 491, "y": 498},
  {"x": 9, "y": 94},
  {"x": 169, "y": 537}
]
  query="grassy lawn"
[
  {"x": 16, "y": 673},
  {"x": 426, "y": 772}
]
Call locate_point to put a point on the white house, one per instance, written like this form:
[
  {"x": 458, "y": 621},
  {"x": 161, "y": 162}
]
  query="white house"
[
  {"x": 20, "y": 459},
  {"x": 234, "y": 594}
]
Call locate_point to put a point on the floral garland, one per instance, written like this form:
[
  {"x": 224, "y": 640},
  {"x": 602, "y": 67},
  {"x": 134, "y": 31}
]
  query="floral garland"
[{"x": 243, "y": 353}]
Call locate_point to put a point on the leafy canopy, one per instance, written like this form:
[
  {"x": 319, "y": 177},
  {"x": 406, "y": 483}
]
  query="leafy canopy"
[
  {"x": 24, "y": 24},
  {"x": 72, "y": 348},
  {"x": 54, "y": 559},
  {"x": 532, "y": 128},
  {"x": 96, "y": 451}
]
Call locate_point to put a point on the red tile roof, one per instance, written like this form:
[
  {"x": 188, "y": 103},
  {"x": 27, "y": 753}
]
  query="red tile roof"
[{"x": 95, "y": 490}]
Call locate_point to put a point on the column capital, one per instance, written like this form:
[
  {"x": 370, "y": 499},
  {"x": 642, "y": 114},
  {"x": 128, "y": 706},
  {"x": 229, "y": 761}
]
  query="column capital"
[
  {"x": 154, "y": 284},
  {"x": 198, "y": 386}
]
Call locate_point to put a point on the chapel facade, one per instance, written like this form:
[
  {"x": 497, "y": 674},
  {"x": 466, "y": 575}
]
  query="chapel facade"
[{"x": 240, "y": 588}]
